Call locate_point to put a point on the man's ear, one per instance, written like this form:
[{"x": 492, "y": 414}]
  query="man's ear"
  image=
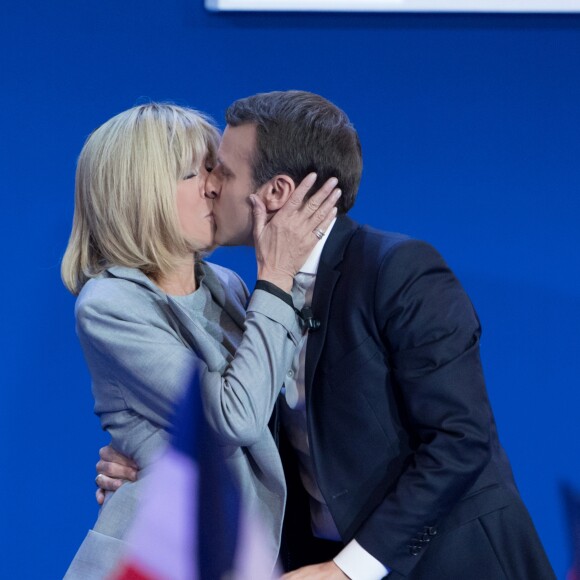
[{"x": 275, "y": 193}]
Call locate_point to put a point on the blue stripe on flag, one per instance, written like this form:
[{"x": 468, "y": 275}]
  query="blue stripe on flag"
[{"x": 218, "y": 497}]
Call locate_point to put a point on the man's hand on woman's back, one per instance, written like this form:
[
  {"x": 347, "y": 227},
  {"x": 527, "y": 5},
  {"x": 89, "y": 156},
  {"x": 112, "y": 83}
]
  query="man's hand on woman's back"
[{"x": 113, "y": 470}]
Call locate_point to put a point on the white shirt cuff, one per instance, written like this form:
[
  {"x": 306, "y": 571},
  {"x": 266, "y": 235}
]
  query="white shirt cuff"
[{"x": 358, "y": 564}]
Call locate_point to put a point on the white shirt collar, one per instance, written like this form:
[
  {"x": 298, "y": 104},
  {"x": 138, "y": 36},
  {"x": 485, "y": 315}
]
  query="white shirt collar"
[{"x": 311, "y": 264}]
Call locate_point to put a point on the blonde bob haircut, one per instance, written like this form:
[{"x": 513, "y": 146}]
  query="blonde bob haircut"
[{"x": 125, "y": 191}]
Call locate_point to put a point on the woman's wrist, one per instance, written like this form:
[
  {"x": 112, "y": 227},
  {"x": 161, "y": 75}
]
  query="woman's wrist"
[{"x": 283, "y": 280}]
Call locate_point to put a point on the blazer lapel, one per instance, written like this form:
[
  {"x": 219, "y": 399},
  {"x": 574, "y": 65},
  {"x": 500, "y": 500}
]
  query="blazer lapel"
[
  {"x": 229, "y": 301},
  {"x": 198, "y": 338},
  {"x": 193, "y": 333},
  {"x": 205, "y": 347},
  {"x": 326, "y": 278}
]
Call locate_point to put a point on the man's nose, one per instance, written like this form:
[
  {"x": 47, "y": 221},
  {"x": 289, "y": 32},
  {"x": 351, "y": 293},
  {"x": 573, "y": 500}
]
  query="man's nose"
[{"x": 211, "y": 190}]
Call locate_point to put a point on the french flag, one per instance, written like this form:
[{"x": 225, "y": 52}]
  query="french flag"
[{"x": 191, "y": 524}]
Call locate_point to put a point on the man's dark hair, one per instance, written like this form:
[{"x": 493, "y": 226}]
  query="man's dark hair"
[{"x": 299, "y": 132}]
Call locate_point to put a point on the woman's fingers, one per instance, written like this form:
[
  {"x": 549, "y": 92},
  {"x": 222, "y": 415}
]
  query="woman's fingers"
[
  {"x": 321, "y": 197},
  {"x": 323, "y": 214},
  {"x": 260, "y": 216},
  {"x": 284, "y": 242},
  {"x": 297, "y": 197},
  {"x": 322, "y": 226},
  {"x": 296, "y": 204}
]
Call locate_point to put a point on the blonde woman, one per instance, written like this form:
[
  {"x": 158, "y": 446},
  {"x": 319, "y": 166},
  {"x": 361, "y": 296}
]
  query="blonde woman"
[{"x": 150, "y": 309}]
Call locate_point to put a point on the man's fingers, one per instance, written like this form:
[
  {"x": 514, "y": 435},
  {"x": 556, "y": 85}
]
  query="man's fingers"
[
  {"x": 116, "y": 470},
  {"x": 108, "y": 483},
  {"x": 109, "y": 454},
  {"x": 113, "y": 470},
  {"x": 326, "y": 571},
  {"x": 100, "y": 496}
]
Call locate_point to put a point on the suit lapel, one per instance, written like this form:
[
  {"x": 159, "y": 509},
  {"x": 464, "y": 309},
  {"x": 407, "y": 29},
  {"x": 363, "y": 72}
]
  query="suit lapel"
[{"x": 327, "y": 276}]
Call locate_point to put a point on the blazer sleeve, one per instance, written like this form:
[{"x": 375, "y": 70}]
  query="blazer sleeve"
[
  {"x": 139, "y": 361},
  {"x": 431, "y": 332},
  {"x": 239, "y": 403}
]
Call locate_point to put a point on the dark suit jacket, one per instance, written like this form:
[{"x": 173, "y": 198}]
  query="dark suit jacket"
[{"x": 401, "y": 432}]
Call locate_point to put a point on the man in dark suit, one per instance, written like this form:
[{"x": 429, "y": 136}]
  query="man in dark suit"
[
  {"x": 389, "y": 443},
  {"x": 385, "y": 421}
]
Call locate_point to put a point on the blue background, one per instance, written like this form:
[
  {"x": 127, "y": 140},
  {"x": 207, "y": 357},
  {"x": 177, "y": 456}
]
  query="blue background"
[{"x": 470, "y": 127}]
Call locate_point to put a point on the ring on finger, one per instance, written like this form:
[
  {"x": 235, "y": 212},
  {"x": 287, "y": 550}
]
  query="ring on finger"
[{"x": 318, "y": 233}]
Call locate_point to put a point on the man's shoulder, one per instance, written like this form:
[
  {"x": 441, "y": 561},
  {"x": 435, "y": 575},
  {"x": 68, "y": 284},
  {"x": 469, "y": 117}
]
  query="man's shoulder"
[
  {"x": 382, "y": 242},
  {"x": 373, "y": 248},
  {"x": 347, "y": 227},
  {"x": 383, "y": 237}
]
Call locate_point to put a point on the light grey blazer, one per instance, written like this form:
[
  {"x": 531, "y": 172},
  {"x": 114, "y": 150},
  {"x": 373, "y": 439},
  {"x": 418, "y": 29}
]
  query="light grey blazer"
[{"x": 141, "y": 346}]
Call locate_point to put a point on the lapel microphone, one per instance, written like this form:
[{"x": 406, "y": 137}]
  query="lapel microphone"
[{"x": 308, "y": 321}]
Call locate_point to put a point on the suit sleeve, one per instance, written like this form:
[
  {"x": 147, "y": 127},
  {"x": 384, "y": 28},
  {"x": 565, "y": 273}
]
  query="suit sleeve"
[
  {"x": 140, "y": 362},
  {"x": 432, "y": 332}
]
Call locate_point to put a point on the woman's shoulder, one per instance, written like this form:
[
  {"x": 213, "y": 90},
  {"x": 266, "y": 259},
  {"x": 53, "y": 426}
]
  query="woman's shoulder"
[{"x": 116, "y": 290}]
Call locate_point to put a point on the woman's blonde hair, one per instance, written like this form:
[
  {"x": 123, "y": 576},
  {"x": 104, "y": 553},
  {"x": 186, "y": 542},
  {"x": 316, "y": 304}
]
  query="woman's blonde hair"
[{"x": 125, "y": 209}]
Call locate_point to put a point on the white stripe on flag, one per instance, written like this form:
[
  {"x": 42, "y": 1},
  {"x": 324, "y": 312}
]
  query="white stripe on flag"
[{"x": 163, "y": 537}]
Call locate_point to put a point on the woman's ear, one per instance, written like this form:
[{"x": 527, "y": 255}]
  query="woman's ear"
[{"x": 277, "y": 191}]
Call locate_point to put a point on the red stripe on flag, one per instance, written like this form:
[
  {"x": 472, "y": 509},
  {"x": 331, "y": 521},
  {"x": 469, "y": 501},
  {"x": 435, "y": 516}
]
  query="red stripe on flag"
[{"x": 131, "y": 571}]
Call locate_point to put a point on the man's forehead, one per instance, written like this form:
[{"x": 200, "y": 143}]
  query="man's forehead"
[{"x": 238, "y": 142}]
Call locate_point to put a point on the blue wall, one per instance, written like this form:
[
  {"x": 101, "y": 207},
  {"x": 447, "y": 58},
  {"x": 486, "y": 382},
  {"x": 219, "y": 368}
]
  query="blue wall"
[{"x": 471, "y": 131}]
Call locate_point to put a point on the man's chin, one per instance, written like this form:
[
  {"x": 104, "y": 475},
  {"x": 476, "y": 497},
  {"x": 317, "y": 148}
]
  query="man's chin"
[{"x": 233, "y": 240}]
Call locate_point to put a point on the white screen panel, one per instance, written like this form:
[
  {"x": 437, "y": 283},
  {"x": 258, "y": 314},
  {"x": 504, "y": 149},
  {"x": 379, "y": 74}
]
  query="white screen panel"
[{"x": 398, "y": 5}]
